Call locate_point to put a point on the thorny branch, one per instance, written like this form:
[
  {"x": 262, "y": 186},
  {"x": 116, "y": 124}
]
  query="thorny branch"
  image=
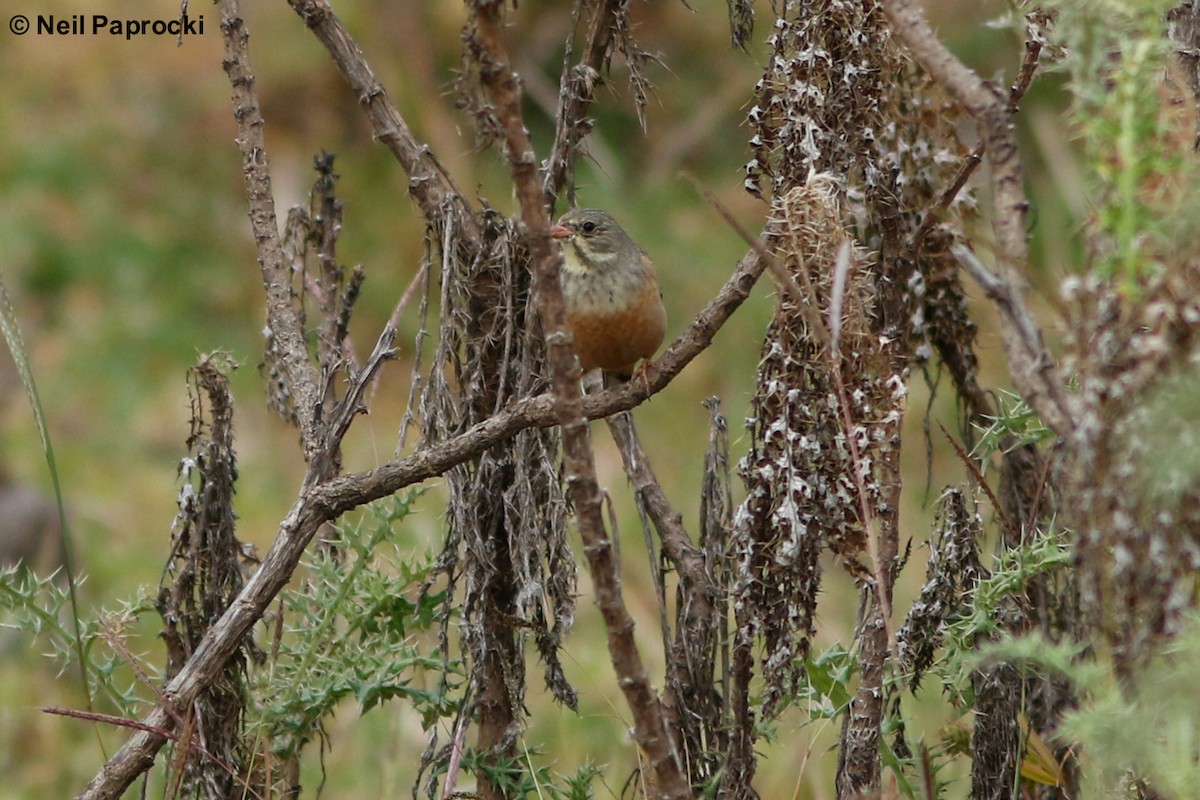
[
  {"x": 429, "y": 184},
  {"x": 1032, "y": 368},
  {"x": 578, "y": 87},
  {"x": 578, "y": 462},
  {"x": 281, "y": 316}
]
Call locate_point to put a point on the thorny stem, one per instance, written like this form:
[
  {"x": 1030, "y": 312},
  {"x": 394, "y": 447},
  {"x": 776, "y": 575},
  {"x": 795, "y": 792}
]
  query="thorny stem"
[
  {"x": 428, "y": 182},
  {"x": 578, "y": 89},
  {"x": 820, "y": 330},
  {"x": 1029, "y": 362},
  {"x": 650, "y": 732},
  {"x": 281, "y": 315}
]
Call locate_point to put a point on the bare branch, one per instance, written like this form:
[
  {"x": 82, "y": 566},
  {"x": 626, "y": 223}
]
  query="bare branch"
[
  {"x": 1029, "y": 362},
  {"x": 352, "y": 404},
  {"x": 109, "y": 719},
  {"x": 429, "y": 184},
  {"x": 578, "y": 87},
  {"x": 281, "y": 316}
]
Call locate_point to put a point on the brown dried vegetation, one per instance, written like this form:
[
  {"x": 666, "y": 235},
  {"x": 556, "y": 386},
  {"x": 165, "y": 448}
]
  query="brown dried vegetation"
[{"x": 858, "y": 158}]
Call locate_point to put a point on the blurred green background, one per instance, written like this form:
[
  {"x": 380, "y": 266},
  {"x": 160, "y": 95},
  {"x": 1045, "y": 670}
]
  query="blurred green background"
[{"x": 126, "y": 250}]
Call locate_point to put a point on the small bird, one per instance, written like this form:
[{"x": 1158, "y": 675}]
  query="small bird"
[{"x": 611, "y": 294}]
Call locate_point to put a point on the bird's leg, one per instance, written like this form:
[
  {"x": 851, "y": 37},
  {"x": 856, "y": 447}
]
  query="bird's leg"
[
  {"x": 643, "y": 371},
  {"x": 594, "y": 381}
]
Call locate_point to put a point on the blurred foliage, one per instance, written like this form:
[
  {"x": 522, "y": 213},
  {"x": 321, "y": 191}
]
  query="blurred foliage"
[
  {"x": 1140, "y": 728},
  {"x": 1136, "y": 128}
]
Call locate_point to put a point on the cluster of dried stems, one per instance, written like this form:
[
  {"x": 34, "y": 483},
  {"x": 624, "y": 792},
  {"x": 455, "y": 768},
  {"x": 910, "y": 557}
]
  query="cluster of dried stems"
[{"x": 858, "y": 157}]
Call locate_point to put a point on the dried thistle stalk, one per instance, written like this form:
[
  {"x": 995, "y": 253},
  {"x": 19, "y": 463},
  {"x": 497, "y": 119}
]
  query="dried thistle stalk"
[
  {"x": 803, "y": 472},
  {"x": 206, "y": 575}
]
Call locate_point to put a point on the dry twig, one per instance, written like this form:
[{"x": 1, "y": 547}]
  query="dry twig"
[
  {"x": 577, "y": 88},
  {"x": 1032, "y": 368},
  {"x": 428, "y": 183}
]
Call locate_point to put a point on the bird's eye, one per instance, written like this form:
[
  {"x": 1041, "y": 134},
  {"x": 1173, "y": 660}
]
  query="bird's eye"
[{"x": 588, "y": 227}]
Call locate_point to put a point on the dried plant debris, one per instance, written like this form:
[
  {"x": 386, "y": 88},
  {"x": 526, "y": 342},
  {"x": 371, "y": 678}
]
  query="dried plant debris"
[
  {"x": 202, "y": 577},
  {"x": 507, "y": 514},
  {"x": 996, "y": 741},
  {"x": 941, "y": 325},
  {"x": 820, "y": 427},
  {"x": 819, "y": 104},
  {"x": 916, "y": 209},
  {"x": 321, "y": 287},
  {"x": 950, "y": 579},
  {"x": 912, "y": 205},
  {"x": 838, "y": 96},
  {"x": 857, "y": 152},
  {"x": 1135, "y": 505}
]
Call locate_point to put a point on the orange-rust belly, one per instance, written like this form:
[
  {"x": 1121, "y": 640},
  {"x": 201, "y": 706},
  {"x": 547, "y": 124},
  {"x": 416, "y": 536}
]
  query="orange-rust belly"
[{"x": 615, "y": 338}]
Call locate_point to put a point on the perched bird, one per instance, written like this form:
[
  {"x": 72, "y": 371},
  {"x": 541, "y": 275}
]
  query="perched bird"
[{"x": 610, "y": 292}]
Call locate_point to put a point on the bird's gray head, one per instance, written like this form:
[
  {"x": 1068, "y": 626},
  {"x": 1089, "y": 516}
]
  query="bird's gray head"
[{"x": 594, "y": 236}]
